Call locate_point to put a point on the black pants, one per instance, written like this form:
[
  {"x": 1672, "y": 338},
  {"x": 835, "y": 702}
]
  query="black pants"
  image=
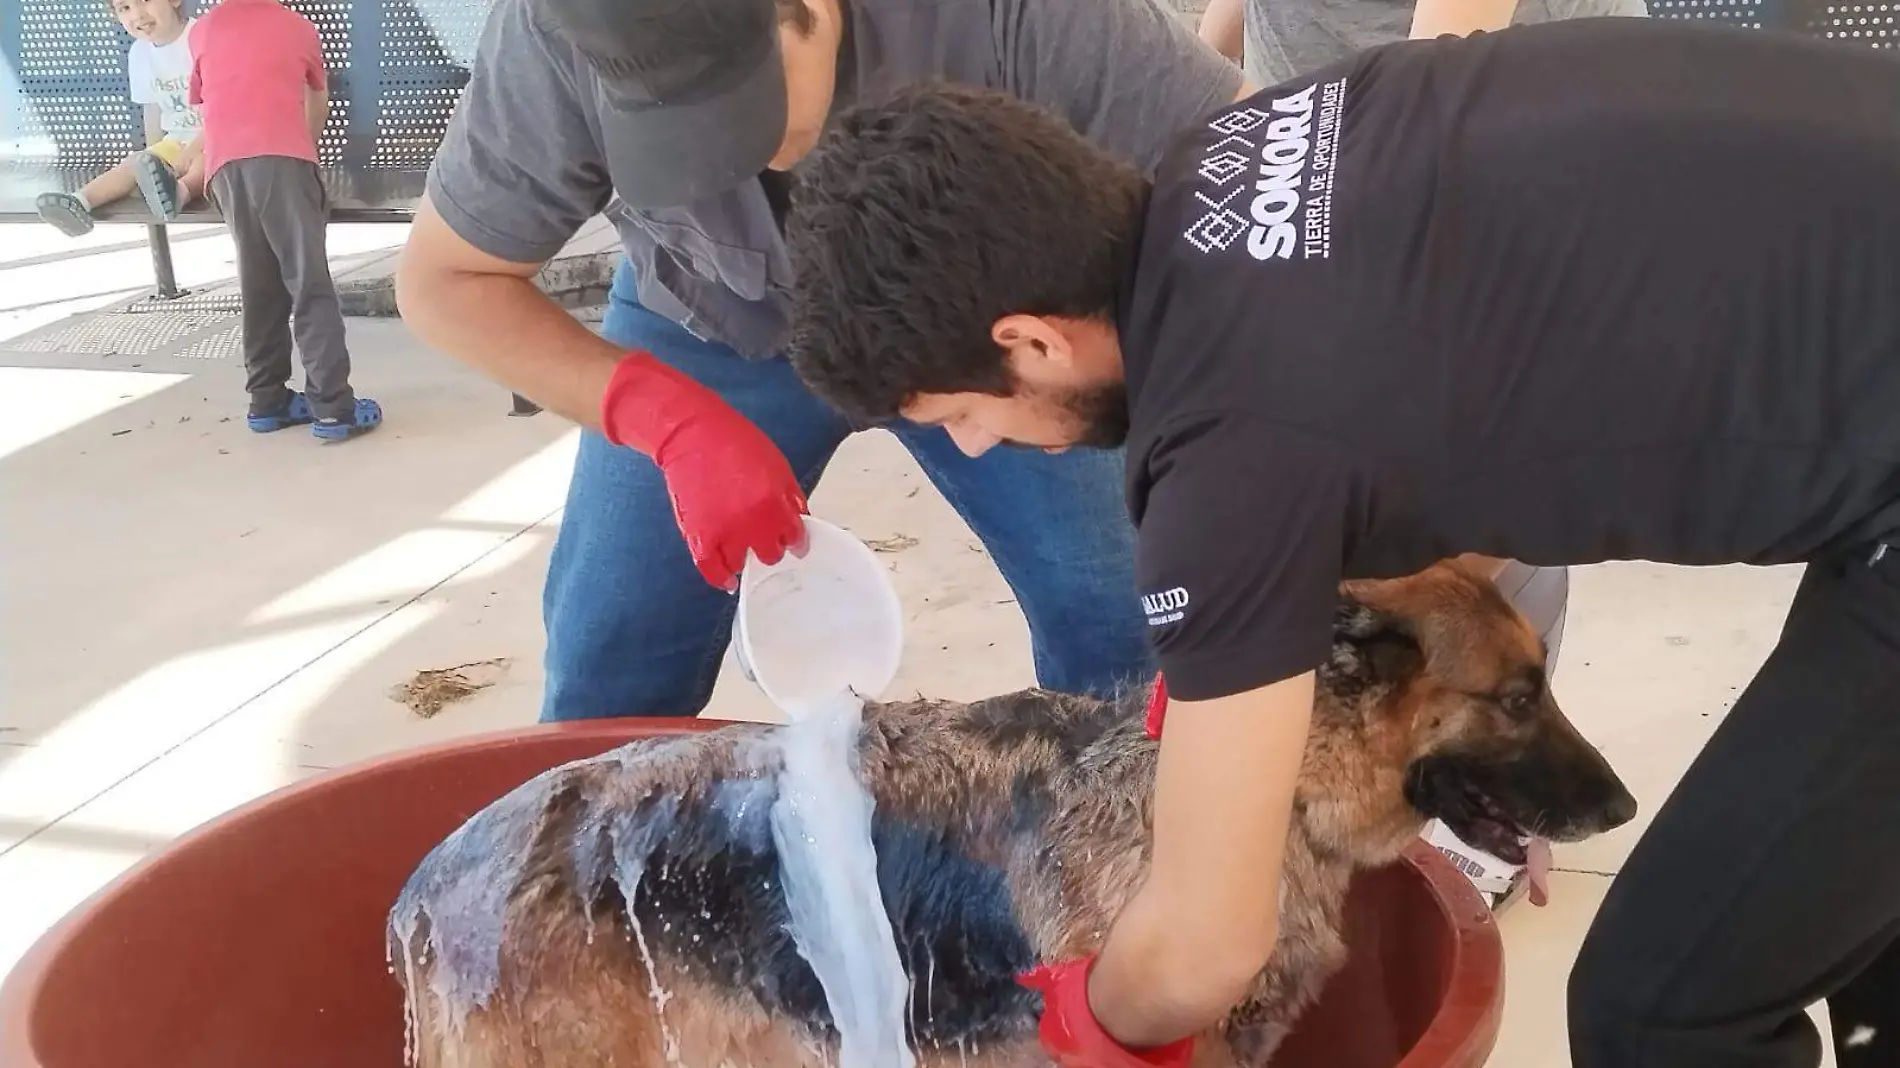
[
  {"x": 1771, "y": 878},
  {"x": 278, "y": 212}
]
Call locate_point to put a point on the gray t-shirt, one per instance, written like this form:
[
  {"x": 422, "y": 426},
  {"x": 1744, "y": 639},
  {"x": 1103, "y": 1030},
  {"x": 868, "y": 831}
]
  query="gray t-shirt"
[
  {"x": 1287, "y": 38},
  {"x": 521, "y": 168}
]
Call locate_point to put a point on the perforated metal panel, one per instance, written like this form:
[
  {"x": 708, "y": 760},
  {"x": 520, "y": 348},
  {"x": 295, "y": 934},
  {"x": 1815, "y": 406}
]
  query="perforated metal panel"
[
  {"x": 397, "y": 68},
  {"x": 428, "y": 34},
  {"x": 425, "y": 49},
  {"x": 1874, "y": 25},
  {"x": 1749, "y": 13},
  {"x": 334, "y": 138},
  {"x": 119, "y": 334},
  {"x": 70, "y": 110},
  {"x": 227, "y": 344},
  {"x": 410, "y": 120},
  {"x": 63, "y": 40}
]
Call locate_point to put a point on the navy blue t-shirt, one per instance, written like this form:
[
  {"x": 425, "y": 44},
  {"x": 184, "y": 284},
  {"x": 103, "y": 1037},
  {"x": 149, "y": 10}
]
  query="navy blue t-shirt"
[{"x": 1593, "y": 290}]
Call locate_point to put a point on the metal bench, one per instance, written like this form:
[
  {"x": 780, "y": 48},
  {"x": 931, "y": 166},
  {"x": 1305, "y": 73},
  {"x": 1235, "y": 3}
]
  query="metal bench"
[
  {"x": 1876, "y": 25},
  {"x": 396, "y": 69}
]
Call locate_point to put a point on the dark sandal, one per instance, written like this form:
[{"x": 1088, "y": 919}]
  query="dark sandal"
[
  {"x": 296, "y": 412},
  {"x": 65, "y": 212},
  {"x": 367, "y": 417},
  {"x": 157, "y": 185}
]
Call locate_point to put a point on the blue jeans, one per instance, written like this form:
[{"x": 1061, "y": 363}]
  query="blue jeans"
[{"x": 633, "y": 630}]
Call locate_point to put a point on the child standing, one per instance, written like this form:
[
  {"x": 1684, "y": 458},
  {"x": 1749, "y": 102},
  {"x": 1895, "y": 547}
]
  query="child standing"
[
  {"x": 259, "y": 80},
  {"x": 169, "y": 171}
]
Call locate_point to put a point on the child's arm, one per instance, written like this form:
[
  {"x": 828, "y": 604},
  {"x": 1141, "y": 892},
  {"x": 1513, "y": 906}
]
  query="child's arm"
[
  {"x": 317, "y": 100},
  {"x": 153, "y": 131},
  {"x": 316, "y": 105}
]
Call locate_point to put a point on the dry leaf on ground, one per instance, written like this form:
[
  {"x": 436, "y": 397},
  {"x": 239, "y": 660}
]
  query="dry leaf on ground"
[{"x": 432, "y": 690}]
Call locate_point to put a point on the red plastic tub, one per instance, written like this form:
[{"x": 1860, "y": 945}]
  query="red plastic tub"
[{"x": 257, "y": 939}]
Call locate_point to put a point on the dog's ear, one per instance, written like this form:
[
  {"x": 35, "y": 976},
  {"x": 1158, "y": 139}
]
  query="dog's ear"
[{"x": 1370, "y": 647}]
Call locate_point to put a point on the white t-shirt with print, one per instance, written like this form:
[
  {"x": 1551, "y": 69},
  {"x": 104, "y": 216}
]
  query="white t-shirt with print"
[{"x": 161, "y": 74}]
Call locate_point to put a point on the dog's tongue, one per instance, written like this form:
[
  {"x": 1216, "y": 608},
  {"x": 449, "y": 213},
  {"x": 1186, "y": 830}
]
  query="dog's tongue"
[{"x": 1537, "y": 867}]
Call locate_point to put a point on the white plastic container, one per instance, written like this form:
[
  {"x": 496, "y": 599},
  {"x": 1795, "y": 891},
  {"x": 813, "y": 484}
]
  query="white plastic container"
[{"x": 810, "y": 630}]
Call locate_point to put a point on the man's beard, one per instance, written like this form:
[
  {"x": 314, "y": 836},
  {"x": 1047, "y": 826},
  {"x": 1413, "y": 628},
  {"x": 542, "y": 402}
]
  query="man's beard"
[{"x": 1101, "y": 414}]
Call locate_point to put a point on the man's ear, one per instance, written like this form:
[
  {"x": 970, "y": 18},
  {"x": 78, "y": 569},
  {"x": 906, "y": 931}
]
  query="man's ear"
[{"x": 1034, "y": 344}]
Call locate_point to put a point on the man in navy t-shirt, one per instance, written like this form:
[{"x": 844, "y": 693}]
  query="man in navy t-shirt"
[{"x": 1586, "y": 291}]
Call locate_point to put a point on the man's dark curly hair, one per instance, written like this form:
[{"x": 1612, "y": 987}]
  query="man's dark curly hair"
[{"x": 922, "y": 219}]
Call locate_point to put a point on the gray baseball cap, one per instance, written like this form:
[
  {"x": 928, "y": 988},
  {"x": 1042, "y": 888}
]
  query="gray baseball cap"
[{"x": 692, "y": 92}]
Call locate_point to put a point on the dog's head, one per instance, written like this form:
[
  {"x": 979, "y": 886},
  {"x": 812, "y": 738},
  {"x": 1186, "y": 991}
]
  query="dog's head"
[{"x": 1436, "y": 687}]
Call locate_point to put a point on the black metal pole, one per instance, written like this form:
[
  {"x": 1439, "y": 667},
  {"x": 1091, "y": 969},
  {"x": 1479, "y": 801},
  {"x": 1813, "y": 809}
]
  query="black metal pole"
[{"x": 162, "y": 261}]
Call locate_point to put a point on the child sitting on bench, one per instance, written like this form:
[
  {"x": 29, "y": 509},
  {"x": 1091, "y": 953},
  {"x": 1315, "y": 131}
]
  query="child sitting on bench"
[{"x": 169, "y": 171}]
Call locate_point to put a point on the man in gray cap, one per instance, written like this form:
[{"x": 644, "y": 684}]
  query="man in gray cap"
[{"x": 681, "y": 119}]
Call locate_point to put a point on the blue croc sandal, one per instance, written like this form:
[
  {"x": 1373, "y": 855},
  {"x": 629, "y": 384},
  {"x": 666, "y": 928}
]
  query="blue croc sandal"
[
  {"x": 64, "y": 211},
  {"x": 295, "y": 413},
  {"x": 157, "y": 185},
  {"x": 368, "y": 416}
]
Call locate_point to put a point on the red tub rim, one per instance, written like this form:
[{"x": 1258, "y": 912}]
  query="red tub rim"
[
  {"x": 1466, "y": 1022},
  {"x": 1468, "y": 1019}
]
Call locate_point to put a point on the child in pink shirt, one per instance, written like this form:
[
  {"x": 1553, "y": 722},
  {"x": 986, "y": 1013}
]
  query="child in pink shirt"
[{"x": 259, "y": 83}]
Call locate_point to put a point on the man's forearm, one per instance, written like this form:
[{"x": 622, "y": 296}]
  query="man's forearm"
[
  {"x": 1435, "y": 18},
  {"x": 506, "y": 328},
  {"x": 1149, "y": 988},
  {"x": 1204, "y": 922}
]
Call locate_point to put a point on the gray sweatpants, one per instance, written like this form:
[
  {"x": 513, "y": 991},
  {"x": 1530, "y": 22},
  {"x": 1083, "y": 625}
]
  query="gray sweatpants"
[{"x": 277, "y": 211}]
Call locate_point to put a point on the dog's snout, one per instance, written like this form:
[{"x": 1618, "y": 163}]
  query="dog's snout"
[
  {"x": 1606, "y": 799},
  {"x": 1601, "y": 803},
  {"x": 1621, "y": 808}
]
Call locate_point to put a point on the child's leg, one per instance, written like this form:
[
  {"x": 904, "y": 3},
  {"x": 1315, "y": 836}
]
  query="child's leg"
[
  {"x": 115, "y": 184},
  {"x": 191, "y": 185},
  {"x": 266, "y": 303},
  {"x": 72, "y": 212},
  {"x": 159, "y": 170},
  {"x": 300, "y": 210},
  {"x": 188, "y": 163}
]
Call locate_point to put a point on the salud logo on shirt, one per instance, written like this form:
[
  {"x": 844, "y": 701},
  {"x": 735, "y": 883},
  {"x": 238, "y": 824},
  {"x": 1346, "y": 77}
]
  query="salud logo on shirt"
[
  {"x": 1165, "y": 607},
  {"x": 1288, "y": 151}
]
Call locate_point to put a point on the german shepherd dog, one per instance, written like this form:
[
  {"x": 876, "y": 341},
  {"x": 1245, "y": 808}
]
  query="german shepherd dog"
[{"x": 625, "y": 909}]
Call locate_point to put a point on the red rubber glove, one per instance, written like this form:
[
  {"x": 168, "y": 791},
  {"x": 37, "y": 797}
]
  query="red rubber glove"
[
  {"x": 731, "y": 487},
  {"x": 1157, "y": 707},
  {"x": 1072, "y": 1036}
]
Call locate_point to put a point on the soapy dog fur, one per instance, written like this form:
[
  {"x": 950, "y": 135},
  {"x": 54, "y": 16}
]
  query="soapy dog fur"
[{"x": 1008, "y": 831}]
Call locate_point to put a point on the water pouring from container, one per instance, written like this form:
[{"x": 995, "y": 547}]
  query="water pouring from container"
[{"x": 820, "y": 634}]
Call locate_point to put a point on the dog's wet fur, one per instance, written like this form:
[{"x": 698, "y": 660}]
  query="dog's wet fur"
[{"x": 1008, "y": 831}]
